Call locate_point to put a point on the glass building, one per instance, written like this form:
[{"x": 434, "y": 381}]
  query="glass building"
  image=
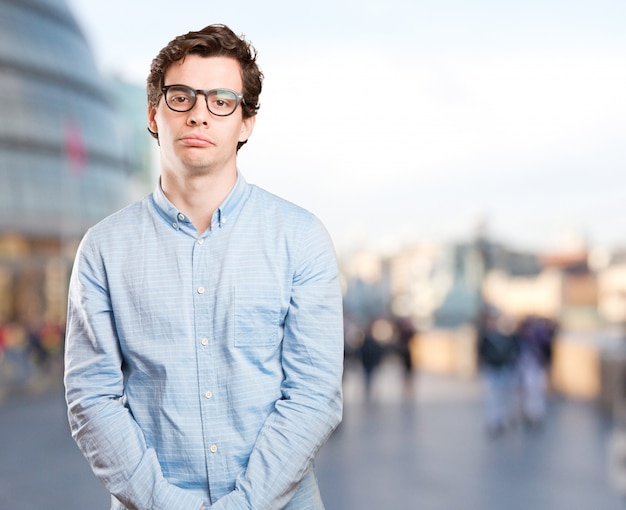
[{"x": 65, "y": 161}]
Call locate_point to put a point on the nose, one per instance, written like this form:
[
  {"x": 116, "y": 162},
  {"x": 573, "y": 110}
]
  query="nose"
[{"x": 199, "y": 114}]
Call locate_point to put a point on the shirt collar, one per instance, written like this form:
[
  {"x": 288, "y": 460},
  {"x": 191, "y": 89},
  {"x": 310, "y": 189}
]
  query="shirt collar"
[
  {"x": 221, "y": 216},
  {"x": 226, "y": 211}
]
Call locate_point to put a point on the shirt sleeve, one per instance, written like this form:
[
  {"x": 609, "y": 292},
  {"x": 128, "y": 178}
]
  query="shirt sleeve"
[
  {"x": 311, "y": 404},
  {"x": 101, "y": 425}
]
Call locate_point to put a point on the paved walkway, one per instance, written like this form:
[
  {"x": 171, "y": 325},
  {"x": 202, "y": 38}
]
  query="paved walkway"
[
  {"x": 428, "y": 452},
  {"x": 431, "y": 452}
]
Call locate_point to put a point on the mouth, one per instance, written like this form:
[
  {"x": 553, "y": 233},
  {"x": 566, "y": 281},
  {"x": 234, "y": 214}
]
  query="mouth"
[{"x": 195, "y": 141}]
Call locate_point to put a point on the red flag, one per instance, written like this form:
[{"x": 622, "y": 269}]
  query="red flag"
[{"x": 75, "y": 149}]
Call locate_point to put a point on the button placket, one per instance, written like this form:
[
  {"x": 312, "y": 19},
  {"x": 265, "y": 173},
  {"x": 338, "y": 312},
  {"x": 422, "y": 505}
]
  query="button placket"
[{"x": 203, "y": 288}]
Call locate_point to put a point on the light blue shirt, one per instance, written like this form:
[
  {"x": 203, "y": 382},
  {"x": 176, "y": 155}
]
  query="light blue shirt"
[{"x": 205, "y": 368}]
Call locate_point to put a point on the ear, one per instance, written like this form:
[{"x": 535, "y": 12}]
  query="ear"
[
  {"x": 152, "y": 123},
  {"x": 247, "y": 126}
]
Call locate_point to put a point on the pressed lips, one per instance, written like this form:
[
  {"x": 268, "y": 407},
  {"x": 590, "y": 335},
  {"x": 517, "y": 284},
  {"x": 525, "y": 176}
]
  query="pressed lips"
[{"x": 195, "y": 141}]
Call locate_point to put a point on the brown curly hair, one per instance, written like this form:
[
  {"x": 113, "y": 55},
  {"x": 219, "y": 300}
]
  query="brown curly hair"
[{"x": 212, "y": 41}]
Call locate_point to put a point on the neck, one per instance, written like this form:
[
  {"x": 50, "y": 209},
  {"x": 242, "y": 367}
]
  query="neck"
[{"x": 198, "y": 196}]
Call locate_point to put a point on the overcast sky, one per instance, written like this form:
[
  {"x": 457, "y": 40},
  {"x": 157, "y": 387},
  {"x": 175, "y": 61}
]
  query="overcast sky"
[{"x": 409, "y": 120}]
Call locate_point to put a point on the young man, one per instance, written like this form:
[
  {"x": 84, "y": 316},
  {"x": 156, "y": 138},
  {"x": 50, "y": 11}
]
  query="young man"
[{"x": 204, "y": 344}]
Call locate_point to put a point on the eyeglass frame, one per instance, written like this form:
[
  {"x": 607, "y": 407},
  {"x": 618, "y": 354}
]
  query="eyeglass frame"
[{"x": 238, "y": 98}]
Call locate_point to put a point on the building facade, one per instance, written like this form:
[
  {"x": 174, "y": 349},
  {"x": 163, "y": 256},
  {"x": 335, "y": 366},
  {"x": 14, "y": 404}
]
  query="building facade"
[{"x": 64, "y": 163}]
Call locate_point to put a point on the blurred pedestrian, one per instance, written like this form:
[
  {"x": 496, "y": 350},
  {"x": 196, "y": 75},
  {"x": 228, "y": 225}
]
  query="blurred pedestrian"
[
  {"x": 536, "y": 336},
  {"x": 16, "y": 359},
  {"x": 204, "y": 347},
  {"x": 372, "y": 351},
  {"x": 406, "y": 335},
  {"x": 498, "y": 351},
  {"x": 353, "y": 340}
]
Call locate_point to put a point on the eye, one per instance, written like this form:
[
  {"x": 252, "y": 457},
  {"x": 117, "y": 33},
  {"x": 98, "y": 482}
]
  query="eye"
[
  {"x": 222, "y": 101},
  {"x": 180, "y": 97}
]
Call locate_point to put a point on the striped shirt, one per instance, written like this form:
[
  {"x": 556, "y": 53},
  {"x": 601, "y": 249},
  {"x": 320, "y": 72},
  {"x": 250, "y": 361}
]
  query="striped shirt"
[{"x": 205, "y": 368}]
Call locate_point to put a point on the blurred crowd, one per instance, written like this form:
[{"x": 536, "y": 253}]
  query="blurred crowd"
[
  {"x": 514, "y": 359},
  {"x": 28, "y": 351},
  {"x": 369, "y": 345}
]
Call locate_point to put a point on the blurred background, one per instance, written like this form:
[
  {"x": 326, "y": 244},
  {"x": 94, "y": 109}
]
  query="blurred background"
[{"x": 465, "y": 156}]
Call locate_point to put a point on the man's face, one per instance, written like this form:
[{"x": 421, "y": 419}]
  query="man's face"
[{"x": 197, "y": 142}]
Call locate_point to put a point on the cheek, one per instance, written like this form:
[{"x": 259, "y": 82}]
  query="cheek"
[
  {"x": 165, "y": 127},
  {"x": 160, "y": 119}
]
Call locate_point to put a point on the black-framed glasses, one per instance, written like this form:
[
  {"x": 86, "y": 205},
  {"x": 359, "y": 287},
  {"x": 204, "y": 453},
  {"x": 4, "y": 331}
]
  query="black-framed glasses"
[{"x": 220, "y": 102}]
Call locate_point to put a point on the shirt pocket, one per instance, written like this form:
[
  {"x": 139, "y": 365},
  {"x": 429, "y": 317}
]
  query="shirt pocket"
[{"x": 257, "y": 316}]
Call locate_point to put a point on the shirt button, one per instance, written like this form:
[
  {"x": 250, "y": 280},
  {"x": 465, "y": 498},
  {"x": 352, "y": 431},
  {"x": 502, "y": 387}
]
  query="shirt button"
[
  {"x": 200, "y": 290},
  {"x": 209, "y": 394},
  {"x": 200, "y": 241},
  {"x": 204, "y": 341},
  {"x": 175, "y": 225},
  {"x": 181, "y": 216},
  {"x": 213, "y": 448}
]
